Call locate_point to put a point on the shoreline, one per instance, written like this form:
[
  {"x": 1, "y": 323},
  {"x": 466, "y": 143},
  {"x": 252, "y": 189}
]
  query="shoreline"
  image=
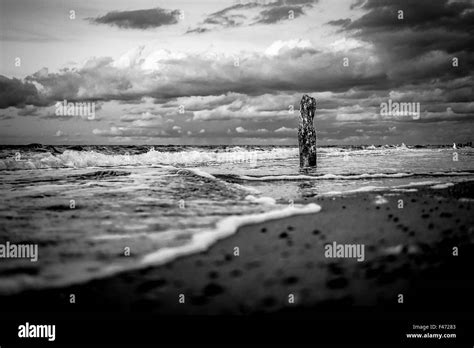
[{"x": 408, "y": 251}]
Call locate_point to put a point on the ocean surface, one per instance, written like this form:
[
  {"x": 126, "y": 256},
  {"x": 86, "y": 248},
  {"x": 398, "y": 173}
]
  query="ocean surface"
[{"x": 97, "y": 210}]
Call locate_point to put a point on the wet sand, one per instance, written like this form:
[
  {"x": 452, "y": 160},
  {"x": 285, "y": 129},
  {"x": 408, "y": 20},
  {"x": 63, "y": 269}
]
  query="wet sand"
[{"x": 281, "y": 267}]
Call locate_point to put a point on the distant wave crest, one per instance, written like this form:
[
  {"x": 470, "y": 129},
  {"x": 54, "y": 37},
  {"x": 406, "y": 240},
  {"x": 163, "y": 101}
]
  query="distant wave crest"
[{"x": 85, "y": 159}]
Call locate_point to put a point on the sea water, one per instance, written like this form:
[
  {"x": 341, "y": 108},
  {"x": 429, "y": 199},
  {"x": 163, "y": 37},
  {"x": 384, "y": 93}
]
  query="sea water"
[{"x": 97, "y": 210}]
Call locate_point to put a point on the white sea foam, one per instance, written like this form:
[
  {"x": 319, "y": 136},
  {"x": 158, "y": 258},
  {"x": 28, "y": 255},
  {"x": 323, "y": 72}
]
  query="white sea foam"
[
  {"x": 121, "y": 236},
  {"x": 263, "y": 200},
  {"x": 84, "y": 159},
  {"x": 360, "y": 189},
  {"x": 398, "y": 188},
  {"x": 380, "y": 200},
  {"x": 397, "y": 249},
  {"x": 250, "y": 190},
  {"x": 323, "y": 177},
  {"x": 442, "y": 186},
  {"x": 225, "y": 228},
  {"x": 404, "y": 190},
  {"x": 466, "y": 200},
  {"x": 344, "y": 176}
]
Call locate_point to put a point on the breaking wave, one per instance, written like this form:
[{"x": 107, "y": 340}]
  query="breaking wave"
[{"x": 85, "y": 159}]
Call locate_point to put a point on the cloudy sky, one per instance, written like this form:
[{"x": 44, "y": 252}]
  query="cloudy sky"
[{"x": 233, "y": 72}]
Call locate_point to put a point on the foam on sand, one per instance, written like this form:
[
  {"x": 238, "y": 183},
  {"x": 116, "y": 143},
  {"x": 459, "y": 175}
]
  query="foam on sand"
[
  {"x": 442, "y": 186},
  {"x": 398, "y": 249},
  {"x": 380, "y": 200},
  {"x": 360, "y": 189},
  {"x": 398, "y": 188},
  {"x": 202, "y": 241},
  {"x": 404, "y": 190}
]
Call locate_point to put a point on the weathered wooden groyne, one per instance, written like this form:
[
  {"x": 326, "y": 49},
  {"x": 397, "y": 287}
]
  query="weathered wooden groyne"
[{"x": 307, "y": 133}]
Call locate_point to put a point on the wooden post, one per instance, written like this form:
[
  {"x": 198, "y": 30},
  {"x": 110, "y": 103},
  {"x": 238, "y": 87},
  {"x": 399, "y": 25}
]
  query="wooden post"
[{"x": 307, "y": 133}]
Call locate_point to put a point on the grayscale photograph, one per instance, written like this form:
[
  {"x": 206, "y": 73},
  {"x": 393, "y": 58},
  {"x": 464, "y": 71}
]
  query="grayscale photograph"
[{"x": 228, "y": 163}]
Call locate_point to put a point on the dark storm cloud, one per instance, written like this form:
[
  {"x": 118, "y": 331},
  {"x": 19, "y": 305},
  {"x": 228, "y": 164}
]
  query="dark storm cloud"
[
  {"x": 357, "y": 4},
  {"x": 139, "y": 19},
  {"x": 244, "y": 14},
  {"x": 341, "y": 22},
  {"x": 287, "y": 68},
  {"x": 197, "y": 30},
  {"x": 426, "y": 25},
  {"x": 224, "y": 18},
  {"x": 421, "y": 14},
  {"x": 278, "y": 14},
  {"x": 420, "y": 48},
  {"x": 14, "y": 92}
]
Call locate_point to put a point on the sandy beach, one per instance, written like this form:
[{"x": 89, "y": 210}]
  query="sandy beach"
[{"x": 281, "y": 266}]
